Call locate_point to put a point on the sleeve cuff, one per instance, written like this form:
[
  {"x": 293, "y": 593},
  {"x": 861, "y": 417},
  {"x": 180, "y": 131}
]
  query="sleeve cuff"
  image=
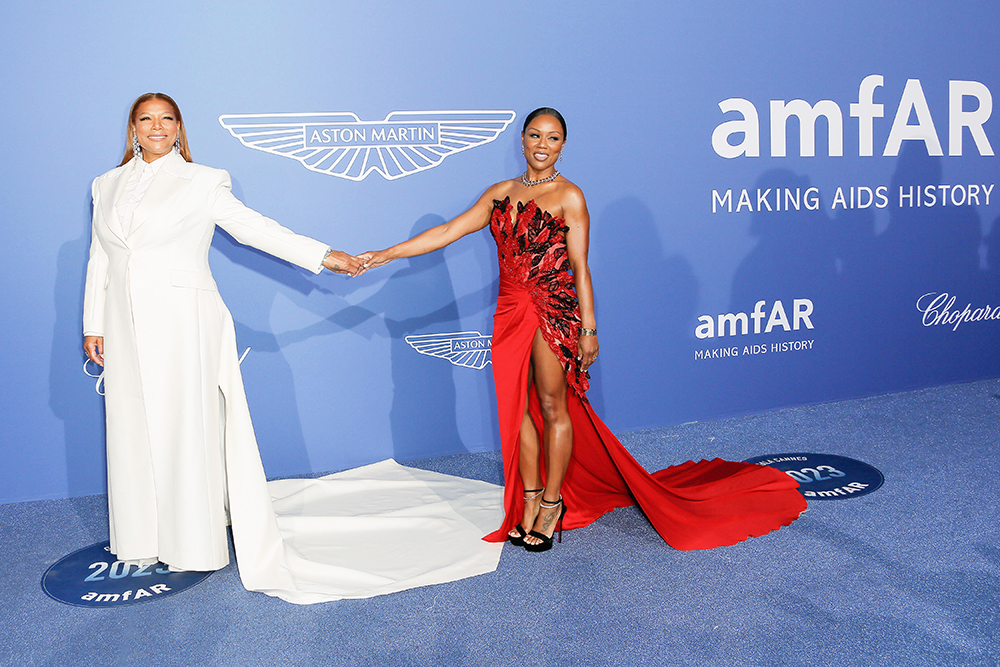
[{"x": 329, "y": 251}]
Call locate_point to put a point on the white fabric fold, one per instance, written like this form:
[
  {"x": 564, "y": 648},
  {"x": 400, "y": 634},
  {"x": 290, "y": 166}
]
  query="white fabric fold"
[{"x": 380, "y": 529}]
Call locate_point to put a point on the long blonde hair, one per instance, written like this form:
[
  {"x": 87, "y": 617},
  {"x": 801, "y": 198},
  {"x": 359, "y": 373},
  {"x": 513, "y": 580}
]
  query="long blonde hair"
[{"x": 130, "y": 130}]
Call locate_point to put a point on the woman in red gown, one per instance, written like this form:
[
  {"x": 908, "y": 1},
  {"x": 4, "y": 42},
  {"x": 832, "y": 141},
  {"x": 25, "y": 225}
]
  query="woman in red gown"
[{"x": 561, "y": 463}]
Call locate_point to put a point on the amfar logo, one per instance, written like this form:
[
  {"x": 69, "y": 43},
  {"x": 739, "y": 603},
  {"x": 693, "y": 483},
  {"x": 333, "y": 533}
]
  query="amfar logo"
[
  {"x": 970, "y": 104},
  {"x": 343, "y": 145},
  {"x": 469, "y": 349},
  {"x": 739, "y": 323}
]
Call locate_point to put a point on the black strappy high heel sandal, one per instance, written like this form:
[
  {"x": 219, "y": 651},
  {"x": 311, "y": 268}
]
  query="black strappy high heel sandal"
[
  {"x": 546, "y": 540},
  {"x": 518, "y": 540}
]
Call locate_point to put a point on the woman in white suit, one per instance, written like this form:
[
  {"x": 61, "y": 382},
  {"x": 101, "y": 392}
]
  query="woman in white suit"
[{"x": 180, "y": 446}]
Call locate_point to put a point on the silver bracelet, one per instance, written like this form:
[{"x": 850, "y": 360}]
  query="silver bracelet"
[
  {"x": 588, "y": 332},
  {"x": 322, "y": 264}
]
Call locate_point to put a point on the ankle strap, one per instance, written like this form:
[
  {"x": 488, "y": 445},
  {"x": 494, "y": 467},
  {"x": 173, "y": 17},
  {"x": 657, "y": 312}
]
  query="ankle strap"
[
  {"x": 537, "y": 493},
  {"x": 549, "y": 505}
]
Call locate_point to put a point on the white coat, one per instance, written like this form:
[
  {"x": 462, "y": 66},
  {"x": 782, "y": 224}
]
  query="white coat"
[
  {"x": 180, "y": 441},
  {"x": 177, "y": 419}
]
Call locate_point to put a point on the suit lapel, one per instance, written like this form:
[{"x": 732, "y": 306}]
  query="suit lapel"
[{"x": 111, "y": 190}]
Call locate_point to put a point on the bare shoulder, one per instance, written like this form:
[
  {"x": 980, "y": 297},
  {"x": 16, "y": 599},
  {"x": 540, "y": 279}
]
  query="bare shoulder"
[
  {"x": 571, "y": 195},
  {"x": 499, "y": 191}
]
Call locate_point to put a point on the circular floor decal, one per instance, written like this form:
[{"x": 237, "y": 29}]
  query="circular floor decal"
[
  {"x": 825, "y": 476},
  {"x": 92, "y": 577}
]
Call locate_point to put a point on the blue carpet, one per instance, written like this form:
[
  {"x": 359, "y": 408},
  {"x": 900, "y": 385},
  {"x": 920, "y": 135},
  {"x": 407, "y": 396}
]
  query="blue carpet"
[{"x": 907, "y": 575}]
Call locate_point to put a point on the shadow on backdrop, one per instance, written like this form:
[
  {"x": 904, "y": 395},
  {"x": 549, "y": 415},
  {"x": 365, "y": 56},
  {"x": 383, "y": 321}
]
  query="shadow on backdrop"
[
  {"x": 648, "y": 315},
  {"x": 416, "y": 299},
  {"x": 869, "y": 335},
  {"x": 793, "y": 259},
  {"x": 926, "y": 249},
  {"x": 75, "y": 402},
  {"x": 991, "y": 276},
  {"x": 420, "y": 299},
  {"x": 268, "y": 377}
]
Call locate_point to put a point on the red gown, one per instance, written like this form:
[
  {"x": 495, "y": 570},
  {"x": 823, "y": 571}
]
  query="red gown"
[{"x": 692, "y": 505}]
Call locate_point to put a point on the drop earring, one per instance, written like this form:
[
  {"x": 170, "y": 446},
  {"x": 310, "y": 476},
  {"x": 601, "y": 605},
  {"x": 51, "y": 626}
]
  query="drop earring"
[
  {"x": 136, "y": 148},
  {"x": 560, "y": 156},
  {"x": 177, "y": 145}
]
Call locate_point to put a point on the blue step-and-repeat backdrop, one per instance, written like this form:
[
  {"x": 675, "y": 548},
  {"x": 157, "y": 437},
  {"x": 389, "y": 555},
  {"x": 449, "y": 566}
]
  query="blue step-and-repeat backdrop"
[{"x": 790, "y": 202}]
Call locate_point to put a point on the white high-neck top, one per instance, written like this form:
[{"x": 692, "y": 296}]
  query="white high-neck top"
[{"x": 135, "y": 187}]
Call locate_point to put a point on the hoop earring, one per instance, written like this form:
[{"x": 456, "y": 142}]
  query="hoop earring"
[{"x": 136, "y": 148}]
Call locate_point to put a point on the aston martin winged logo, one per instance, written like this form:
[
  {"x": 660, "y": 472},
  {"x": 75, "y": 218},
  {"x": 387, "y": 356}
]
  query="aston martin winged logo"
[
  {"x": 469, "y": 349},
  {"x": 343, "y": 145}
]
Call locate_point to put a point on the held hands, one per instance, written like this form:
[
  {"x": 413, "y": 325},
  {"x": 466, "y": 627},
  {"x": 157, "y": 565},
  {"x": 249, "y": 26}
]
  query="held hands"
[
  {"x": 340, "y": 262},
  {"x": 355, "y": 265},
  {"x": 372, "y": 259},
  {"x": 586, "y": 351}
]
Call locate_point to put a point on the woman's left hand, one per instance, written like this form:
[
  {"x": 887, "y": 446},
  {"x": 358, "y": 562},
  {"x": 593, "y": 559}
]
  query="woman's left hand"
[
  {"x": 372, "y": 259},
  {"x": 586, "y": 351}
]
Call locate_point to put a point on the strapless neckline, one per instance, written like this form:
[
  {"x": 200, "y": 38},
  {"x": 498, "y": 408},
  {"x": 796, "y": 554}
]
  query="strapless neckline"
[{"x": 521, "y": 207}]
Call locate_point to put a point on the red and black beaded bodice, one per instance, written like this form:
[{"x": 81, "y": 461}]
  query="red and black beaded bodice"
[{"x": 531, "y": 249}]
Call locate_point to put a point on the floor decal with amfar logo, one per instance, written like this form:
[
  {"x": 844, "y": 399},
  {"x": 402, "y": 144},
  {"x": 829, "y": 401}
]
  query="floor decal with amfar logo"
[
  {"x": 93, "y": 577},
  {"x": 825, "y": 476}
]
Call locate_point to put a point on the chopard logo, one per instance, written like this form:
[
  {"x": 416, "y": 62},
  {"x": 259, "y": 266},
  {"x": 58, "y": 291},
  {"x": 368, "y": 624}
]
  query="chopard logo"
[
  {"x": 939, "y": 309},
  {"x": 469, "y": 349},
  {"x": 99, "y": 385},
  {"x": 341, "y": 144}
]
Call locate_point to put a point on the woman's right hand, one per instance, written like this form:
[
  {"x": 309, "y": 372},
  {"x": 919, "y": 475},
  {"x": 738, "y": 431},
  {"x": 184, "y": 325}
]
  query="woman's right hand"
[
  {"x": 339, "y": 261},
  {"x": 436, "y": 237},
  {"x": 94, "y": 347}
]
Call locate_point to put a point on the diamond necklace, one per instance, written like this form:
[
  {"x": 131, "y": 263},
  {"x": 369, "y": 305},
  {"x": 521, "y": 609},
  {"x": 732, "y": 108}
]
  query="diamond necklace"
[{"x": 524, "y": 179}]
